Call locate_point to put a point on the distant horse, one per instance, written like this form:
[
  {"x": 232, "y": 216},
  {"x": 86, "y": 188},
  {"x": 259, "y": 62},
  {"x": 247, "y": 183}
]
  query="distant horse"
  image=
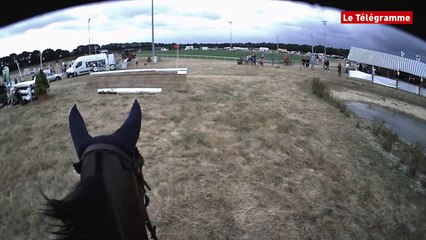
[
  {"x": 109, "y": 202},
  {"x": 305, "y": 62}
]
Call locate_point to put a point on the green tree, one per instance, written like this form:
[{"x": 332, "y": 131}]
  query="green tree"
[{"x": 41, "y": 84}]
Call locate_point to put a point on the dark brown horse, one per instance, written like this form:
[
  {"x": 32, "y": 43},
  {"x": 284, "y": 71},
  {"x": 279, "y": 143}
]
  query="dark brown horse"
[{"x": 109, "y": 202}]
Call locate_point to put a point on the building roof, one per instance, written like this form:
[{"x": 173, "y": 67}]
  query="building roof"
[{"x": 388, "y": 61}]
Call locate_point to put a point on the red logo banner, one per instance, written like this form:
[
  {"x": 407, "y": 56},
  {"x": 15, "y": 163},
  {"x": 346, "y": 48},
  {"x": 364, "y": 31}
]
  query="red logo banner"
[{"x": 376, "y": 17}]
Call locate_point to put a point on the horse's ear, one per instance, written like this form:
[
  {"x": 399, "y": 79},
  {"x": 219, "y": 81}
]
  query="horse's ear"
[
  {"x": 128, "y": 133},
  {"x": 77, "y": 128}
]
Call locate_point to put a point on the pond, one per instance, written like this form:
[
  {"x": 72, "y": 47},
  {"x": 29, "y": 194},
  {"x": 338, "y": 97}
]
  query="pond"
[{"x": 409, "y": 128}]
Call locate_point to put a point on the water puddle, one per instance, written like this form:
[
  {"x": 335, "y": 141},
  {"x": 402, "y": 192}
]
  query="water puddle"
[{"x": 409, "y": 128}]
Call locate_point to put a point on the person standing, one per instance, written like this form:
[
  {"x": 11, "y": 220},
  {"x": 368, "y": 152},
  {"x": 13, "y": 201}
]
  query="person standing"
[
  {"x": 339, "y": 70},
  {"x": 326, "y": 65},
  {"x": 12, "y": 91},
  {"x": 262, "y": 59}
]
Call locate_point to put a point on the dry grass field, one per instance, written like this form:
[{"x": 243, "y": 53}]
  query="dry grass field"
[{"x": 240, "y": 152}]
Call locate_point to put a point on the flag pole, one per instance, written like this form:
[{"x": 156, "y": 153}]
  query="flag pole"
[{"x": 177, "y": 56}]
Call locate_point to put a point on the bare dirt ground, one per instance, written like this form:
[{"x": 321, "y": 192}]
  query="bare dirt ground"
[{"x": 241, "y": 152}]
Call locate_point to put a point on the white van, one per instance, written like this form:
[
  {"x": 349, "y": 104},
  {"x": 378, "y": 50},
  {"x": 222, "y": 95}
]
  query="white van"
[{"x": 91, "y": 63}]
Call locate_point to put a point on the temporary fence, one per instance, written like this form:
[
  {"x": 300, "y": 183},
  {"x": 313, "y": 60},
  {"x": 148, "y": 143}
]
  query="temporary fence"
[{"x": 416, "y": 89}]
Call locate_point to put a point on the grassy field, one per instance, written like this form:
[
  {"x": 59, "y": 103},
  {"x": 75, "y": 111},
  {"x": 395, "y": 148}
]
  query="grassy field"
[
  {"x": 240, "y": 152},
  {"x": 224, "y": 55}
]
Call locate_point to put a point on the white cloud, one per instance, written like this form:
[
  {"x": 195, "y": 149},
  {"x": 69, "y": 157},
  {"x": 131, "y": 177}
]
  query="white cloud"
[{"x": 188, "y": 21}]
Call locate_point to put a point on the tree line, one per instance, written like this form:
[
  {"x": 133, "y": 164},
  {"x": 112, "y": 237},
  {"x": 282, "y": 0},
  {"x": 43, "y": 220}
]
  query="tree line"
[{"x": 29, "y": 59}]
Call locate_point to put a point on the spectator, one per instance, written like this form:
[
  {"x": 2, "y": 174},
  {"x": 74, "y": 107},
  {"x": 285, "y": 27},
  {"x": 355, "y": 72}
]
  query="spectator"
[
  {"x": 262, "y": 59},
  {"x": 326, "y": 65},
  {"x": 286, "y": 60},
  {"x": 339, "y": 70}
]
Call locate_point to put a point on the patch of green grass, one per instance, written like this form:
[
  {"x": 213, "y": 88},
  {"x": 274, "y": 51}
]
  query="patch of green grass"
[
  {"x": 377, "y": 127},
  {"x": 193, "y": 137},
  {"x": 416, "y": 161},
  {"x": 176, "y": 118},
  {"x": 410, "y": 154},
  {"x": 278, "y": 57},
  {"x": 3, "y": 96},
  {"x": 321, "y": 90},
  {"x": 358, "y": 125},
  {"x": 387, "y": 136}
]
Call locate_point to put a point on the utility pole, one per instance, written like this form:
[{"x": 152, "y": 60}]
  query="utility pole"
[
  {"x": 89, "y": 33},
  {"x": 312, "y": 52},
  {"x": 152, "y": 28},
  {"x": 41, "y": 60},
  {"x": 325, "y": 40},
  {"x": 278, "y": 46},
  {"x": 230, "y": 34},
  {"x": 19, "y": 70}
]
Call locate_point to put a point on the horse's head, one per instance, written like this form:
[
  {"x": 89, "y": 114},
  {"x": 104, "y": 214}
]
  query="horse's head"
[{"x": 108, "y": 202}]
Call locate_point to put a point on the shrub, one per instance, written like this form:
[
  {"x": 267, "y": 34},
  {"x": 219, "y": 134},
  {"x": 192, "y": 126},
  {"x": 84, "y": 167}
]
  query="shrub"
[
  {"x": 3, "y": 97},
  {"x": 319, "y": 88},
  {"x": 41, "y": 84},
  {"x": 417, "y": 161}
]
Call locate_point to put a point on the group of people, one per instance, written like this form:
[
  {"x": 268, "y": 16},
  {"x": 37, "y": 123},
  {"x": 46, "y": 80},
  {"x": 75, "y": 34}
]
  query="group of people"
[
  {"x": 252, "y": 59},
  {"x": 306, "y": 62},
  {"x": 327, "y": 67},
  {"x": 14, "y": 95}
]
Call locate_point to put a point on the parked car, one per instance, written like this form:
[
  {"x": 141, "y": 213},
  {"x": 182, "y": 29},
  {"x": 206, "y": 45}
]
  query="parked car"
[{"x": 53, "y": 76}]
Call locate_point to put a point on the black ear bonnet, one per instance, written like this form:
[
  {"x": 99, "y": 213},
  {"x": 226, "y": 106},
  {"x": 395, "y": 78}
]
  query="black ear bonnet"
[{"x": 124, "y": 138}]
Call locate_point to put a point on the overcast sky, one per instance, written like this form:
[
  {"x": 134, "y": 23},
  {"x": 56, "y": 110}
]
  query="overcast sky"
[{"x": 207, "y": 21}]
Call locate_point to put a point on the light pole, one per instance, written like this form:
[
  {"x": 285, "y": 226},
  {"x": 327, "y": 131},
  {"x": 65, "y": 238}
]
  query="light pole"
[
  {"x": 325, "y": 40},
  {"x": 230, "y": 35},
  {"x": 89, "y": 33},
  {"x": 19, "y": 69},
  {"x": 41, "y": 60},
  {"x": 312, "y": 51},
  {"x": 152, "y": 28}
]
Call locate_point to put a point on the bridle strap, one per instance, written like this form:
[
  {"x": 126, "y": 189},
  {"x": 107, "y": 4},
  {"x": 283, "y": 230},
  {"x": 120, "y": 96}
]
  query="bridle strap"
[{"x": 109, "y": 148}]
